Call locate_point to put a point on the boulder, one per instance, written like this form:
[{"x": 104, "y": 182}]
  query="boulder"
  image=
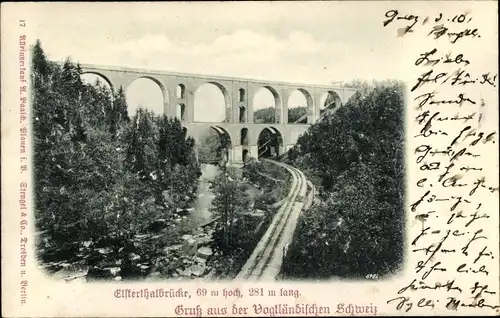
[
  {"x": 204, "y": 252},
  {"x": 200, "y": 260},
  {"x": 186, "y": 273},
  {"x": 189, "y": 249},
  {"x": 198, "y": 269},
  {"x": 190, "y": 246},
  {"x": 104, "y": 250},
  {"x": 204, "y": 240},
  {"x": 172, "y": 248},
  {"x": 114, "y": 270},
  {"x": 134, "y": 257}
]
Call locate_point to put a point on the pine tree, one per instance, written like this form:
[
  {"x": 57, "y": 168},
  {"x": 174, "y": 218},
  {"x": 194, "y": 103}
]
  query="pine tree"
[
  {"x": 118, "y": 116},
  {"x": 95, "y": 170}
]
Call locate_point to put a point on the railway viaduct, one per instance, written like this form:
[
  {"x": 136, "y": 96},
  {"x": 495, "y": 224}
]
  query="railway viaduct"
[{"x": 178, "y": 95}]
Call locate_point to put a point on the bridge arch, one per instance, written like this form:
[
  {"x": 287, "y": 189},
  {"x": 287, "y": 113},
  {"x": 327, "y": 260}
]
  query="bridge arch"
[
  {"x": 241, "y": 95},
  {"x": 245, "y": 136},
  {"x": 269, "y": 142},
  {"x": 203, "y": 107},
  {"x": 226, "y": 144},
  {"x": 181, "y": 111},
  {"x": 300, "y": 97},
  {"x": 148, "y": 92},
  {"x": 242, "y": 108},
  {"x": 99, "y": 76},
  {"x": 260, "y": 101},
  {"x": 329, "y": 100},
  {"x": 180, "y": 91}
]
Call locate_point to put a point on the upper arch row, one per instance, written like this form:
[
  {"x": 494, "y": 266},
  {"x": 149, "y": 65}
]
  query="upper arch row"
[
  {"x": 236, "y": 90},
  {"x": 217, "y": 78}
]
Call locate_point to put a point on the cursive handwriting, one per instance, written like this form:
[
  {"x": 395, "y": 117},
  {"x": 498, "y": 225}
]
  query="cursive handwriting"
[
  {"x": 455, "y": 30},
  {"x": 453, "y": 250}
]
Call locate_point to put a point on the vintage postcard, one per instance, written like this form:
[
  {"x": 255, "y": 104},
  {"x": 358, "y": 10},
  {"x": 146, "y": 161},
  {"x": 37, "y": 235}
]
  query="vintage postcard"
[{"x": 244, "y": 159}]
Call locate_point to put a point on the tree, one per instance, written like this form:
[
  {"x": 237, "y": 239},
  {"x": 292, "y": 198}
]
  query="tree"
[
  {"x": 97, "y": 174},
  {"x": 142, "y": 151},
  {"x": 357, "y": 153},
  {"x": 229, "y": 198},
  {"x": 296, "y": 113},
  {"x": 265, "y": 115}
]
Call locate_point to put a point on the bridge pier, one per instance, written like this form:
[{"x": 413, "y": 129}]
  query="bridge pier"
[
  {"x": 240, "y": 152},
  {"x": 237, "y": 155},
  {"x": 254, "y": 151}
]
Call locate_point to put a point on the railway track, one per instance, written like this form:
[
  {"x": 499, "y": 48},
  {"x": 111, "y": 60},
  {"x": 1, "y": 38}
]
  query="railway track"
[{"x": 267, "y": 258}]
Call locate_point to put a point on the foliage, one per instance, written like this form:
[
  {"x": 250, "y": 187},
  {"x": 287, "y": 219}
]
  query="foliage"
[
  {"x": 213, "y": 146},
  {"x": 272, "y": 179},
  {"x": 268, "y": 115},
  {"x": 296, "y": 113},
  {"x": 100, "y": 177},
  {"x": 357, "y": 155},
  {"x": 265, "y": 115},
  {"x": 230, "y": 198},
  {"x": 238, "y": 232}
]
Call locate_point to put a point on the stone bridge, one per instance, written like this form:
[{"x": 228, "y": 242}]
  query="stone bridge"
[{"x": 178, "y": 95}]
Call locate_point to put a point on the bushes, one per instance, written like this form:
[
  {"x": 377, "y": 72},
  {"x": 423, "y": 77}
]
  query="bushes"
[
  {"x": 294, "y": 114},
  {"x": 357, "y": 156},
  {"x": 264, "y": 115},
  {"x": 273, "y": 180}
]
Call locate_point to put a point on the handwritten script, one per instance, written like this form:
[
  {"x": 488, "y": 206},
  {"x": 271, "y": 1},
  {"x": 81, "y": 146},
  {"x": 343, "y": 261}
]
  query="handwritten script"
[{"x": 453, "y": 256}]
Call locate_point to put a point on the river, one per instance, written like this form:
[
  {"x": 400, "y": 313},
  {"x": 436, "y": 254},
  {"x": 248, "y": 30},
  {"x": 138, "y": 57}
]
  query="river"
[{"x": 201, "y": 213}]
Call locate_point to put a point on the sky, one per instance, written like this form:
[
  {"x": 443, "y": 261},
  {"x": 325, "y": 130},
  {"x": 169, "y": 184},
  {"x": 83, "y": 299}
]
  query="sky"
[{"x": 313, "y": 42}]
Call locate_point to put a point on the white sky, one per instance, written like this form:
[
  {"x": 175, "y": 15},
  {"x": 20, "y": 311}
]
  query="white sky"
[{"x": 314, "y": 42}]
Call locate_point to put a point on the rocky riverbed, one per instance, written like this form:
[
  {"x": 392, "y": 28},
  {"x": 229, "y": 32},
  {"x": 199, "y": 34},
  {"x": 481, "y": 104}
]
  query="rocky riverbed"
[
  {"x": 192, "y": 257},
  {"x": 179, "y": 246}
]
